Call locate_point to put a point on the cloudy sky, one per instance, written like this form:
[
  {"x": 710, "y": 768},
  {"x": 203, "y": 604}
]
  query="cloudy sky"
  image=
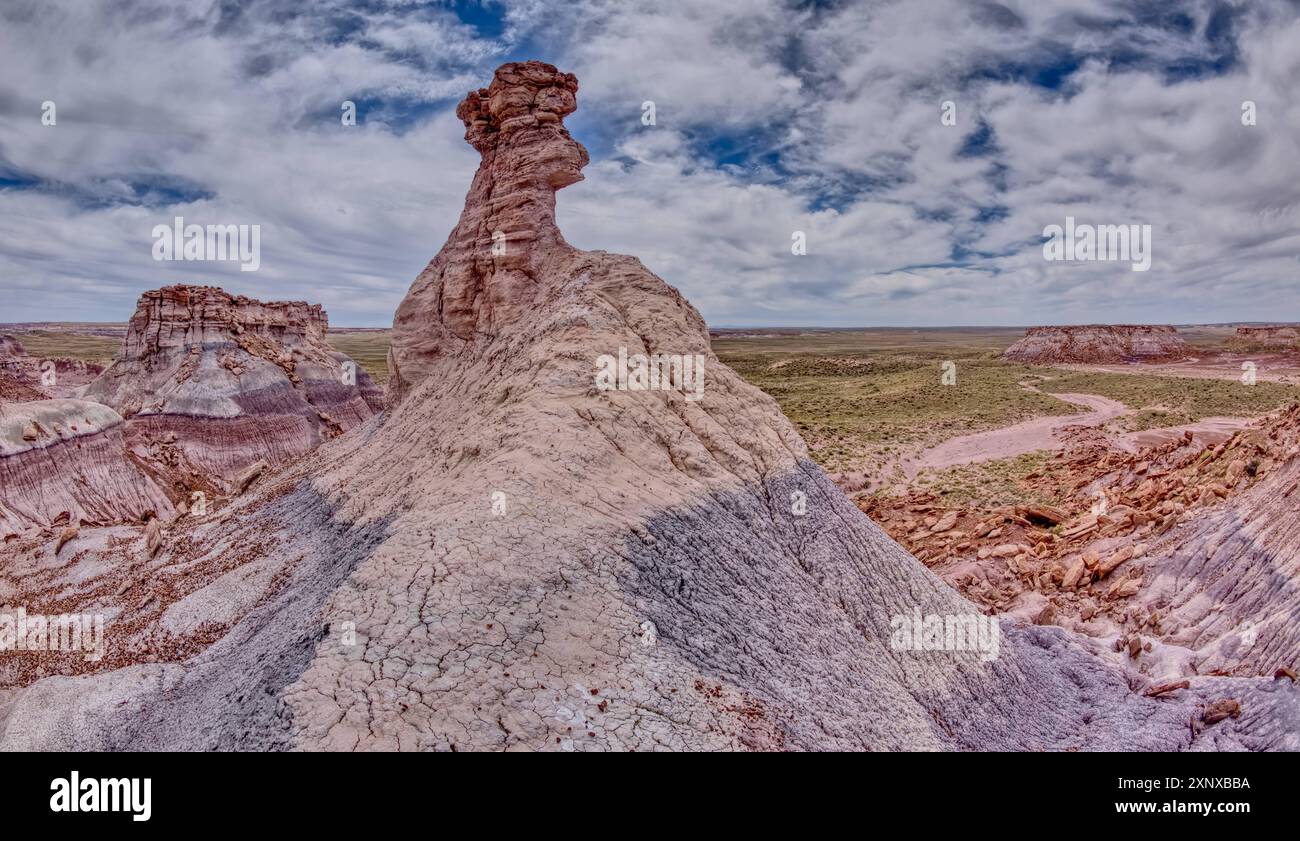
[{"x": 771, "y": 117}]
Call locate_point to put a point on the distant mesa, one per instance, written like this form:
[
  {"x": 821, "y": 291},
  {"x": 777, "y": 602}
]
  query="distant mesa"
[
  {"x": 1277, "y": 336},
  {"x": 1106, "y": 344}
]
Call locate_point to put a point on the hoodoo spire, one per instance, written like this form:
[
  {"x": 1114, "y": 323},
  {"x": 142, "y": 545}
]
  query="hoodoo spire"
[{"x": 485, "y": 274}]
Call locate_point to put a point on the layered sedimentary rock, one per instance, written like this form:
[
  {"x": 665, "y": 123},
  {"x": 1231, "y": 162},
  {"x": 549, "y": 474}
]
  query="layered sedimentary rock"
[
  {"x": 1278, "y": 336},
  {"x": 1225, "y": 578},
  {"x": 211, "y": 383},
  {"x": 544, "y": 546},
  {"x": 1098, "y": 344},
  {"x": 63, "y": 461},
  {"x": 488, "y": 274}
]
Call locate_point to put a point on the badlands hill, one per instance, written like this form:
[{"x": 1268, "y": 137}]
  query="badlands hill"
[
  {"x": 206, "y": 386},
  {"x": 532, "y": 551},
  {"x": 229, "y": 381},
  {"x": 1098, "y": 344}
]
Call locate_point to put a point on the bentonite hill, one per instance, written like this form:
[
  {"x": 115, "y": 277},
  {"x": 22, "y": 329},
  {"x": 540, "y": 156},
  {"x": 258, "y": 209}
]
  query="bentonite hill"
[
  {"x": 207, "y": 387},
  {"x": 231, "y": 381},
  {"x": 519, "y": 554}
]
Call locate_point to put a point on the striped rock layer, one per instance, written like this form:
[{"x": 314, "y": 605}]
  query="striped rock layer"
[{"x": 216, "y": 382}]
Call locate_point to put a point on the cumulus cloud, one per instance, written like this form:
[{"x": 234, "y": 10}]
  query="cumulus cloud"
[{"x": 772, "y": 117}]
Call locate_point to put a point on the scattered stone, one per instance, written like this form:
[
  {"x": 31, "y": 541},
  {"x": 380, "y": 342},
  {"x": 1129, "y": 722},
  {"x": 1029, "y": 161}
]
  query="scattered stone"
[
  {"x": 1073, "y": 575},
  {"x": 152, "y": 537},
  {"x": 67, "y": 536},
  {"x": 1219, "y": 710},
  {"x": 944, "y": 523},
  {"x": 249, "y": 476},
  {"x": 1124, "y": 588},
  {"x": 1166, "y": 688},
  {"x": 1107, "y": 566},
  {"x": 1041, "y": 514}
]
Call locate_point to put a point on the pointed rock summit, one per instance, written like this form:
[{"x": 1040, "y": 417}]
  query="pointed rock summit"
[
  {"x": 506, "y": 248},
  {"x": 575, "y": 529}
]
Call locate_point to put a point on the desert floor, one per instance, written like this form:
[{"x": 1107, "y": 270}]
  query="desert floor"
[{"x": 873, "y": 408}]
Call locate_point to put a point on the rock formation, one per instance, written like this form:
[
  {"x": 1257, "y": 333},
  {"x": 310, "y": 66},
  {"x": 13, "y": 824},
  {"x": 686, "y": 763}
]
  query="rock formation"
[
  {"x": 500, "y": 253},
  {"x": 532, "y": 551},
  {"x": 64, "y": 461},
  {"x": 206, "y": 385},
  {"x": 1278, "y": 336},
  {"x": 1098, "y": 344},
  {"x": 219, "y": 382},
  {"x": 11, "y": 347},
  {"x": 1225, "y": 578}
]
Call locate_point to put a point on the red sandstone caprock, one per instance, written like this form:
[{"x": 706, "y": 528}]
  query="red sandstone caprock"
[{"x": 487, "y": 275}]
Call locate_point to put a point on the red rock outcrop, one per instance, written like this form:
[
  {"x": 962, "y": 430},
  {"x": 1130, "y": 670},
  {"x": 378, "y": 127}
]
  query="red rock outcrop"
[
  {"x": 211, "y": 383},
  {"x": 17, "y": 390},
  {"x": 1278, "y": 336},
  {"x": 1098, "y": 344},
  {"x": 488, "y": 273},
  {"x": 522, "y": 555}
]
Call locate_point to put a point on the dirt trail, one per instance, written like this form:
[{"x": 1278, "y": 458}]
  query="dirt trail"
[
  {"x": 1024, "y": 437},
  {"x": 1206, "y": 432}
]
